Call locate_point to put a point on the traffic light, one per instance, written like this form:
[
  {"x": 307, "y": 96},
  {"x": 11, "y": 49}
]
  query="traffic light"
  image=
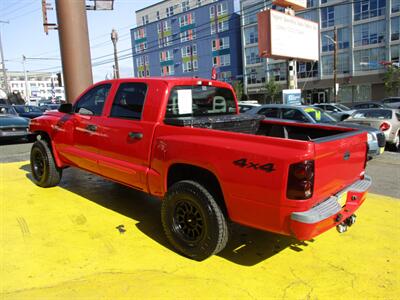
[{"x": 60, "y": 79}]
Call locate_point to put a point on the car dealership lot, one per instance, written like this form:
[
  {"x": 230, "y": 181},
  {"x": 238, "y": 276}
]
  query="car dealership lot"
[{"x": 95, "y": 239}]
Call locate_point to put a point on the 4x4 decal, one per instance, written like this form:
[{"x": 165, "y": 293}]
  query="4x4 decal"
[{"x": 243, "y": 163}]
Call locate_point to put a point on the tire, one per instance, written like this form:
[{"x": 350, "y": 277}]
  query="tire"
[
  {"x": 395, "y": 146},
  {"x": 45, "y": 173},
  {"x": 193, "y": 222}
]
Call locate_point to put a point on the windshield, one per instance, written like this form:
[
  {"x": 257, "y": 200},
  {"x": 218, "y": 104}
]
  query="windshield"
[
  {"x": 200, "y": 101},
  {"x": 319, "y": 116},
  {"x": 7, "y": 110},
  {"x": 343, "y": 107},
  {"x": 372, "y": 113}
]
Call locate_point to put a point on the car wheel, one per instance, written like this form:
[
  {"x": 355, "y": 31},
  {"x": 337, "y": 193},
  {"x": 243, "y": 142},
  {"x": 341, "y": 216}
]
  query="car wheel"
[
  {"x": 193, "y": 222},
  {"x": 45, "y": 173},
  {"x": 395, "y": 146}
]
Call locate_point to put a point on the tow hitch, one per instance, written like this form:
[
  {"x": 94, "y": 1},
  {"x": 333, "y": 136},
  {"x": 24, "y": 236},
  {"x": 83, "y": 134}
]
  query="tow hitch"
[{"x": 342, "y": 227}]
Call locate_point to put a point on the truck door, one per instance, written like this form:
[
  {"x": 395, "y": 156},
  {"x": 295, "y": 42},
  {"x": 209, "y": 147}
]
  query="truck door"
[
  {"x": 126, "y": 137},
  {"x": 81, "y": 148}
]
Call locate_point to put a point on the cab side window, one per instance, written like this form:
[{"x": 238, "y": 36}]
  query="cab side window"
[
  {"x": 129, "y": 100},
  {"x": 92, "y": 102}
]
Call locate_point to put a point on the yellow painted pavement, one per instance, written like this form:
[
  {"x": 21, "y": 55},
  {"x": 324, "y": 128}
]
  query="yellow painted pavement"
[{"x": 67, "y": 243}]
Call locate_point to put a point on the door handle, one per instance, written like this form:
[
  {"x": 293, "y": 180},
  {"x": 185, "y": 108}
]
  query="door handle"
[
  {"x": 135, "y": 135},
  {"x": 91, "y": 127}
]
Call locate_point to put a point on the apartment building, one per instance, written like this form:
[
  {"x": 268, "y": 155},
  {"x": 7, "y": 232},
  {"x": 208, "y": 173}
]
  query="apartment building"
[
  {"x": 188, "y": 38},
  {"x": 368, "y": 37}
]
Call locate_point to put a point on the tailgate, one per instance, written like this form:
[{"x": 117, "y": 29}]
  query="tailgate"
[{"x": 339, "y": 161}]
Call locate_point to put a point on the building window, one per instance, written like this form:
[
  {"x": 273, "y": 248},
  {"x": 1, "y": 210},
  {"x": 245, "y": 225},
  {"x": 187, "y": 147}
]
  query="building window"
[
  {"x": 141, "y": 61},
  {"x": 198, "y": 3},
  {"x": 186, "y": 19},
  {"x": 185, "y": 5},
  {"x": 219, "y": 26},
  {"x": 166, "y": 55},
  {"x": 277, "y": 71},
  {"x": 165, "y": 41},
  {"x": 140, "y": 47},
  {"x": 395, "y": 29},
  {"x": 139, "y": 33},
  {"x": 169, "y": 11},
  {"x": 395, "y": 6},
  {"x": 369, "y": 33},
  {"x": 188, "y": 35},
  {"x": 369, "y": 9},
  {"x": 219, "y": 44},
  {"x": 190, "y": 66},
  {"x": 327, "y": 16},
  {"x": 369, "y": 59},
  {"x": 167, "y": 70},
  {"x": 343, "y": 39},
  {"x": 252, "y": 56},
  {"x": 310, "y": 3},
  {"x": 395, "y": 53},
  {"x": 343, "y": 64},
  {"x": 222, "y": 9},
  {"x": 307, "y": 69},
  {"x": 221, "y": 60},
  {"x": 163, "y": 26},
  {"x": 145, "y": 19},
  {"x": 251, "y": 35},
  {"x": 142, "y": 66},
  {"x": 225, "y": 76},
  {"x": 188, "y": 51},
  {"x": 255, "y": 75},
  {"x": 158, "y": 15}
]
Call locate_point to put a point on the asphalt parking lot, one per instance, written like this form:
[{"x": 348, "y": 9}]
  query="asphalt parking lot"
[{"x": 93, "y": 239}]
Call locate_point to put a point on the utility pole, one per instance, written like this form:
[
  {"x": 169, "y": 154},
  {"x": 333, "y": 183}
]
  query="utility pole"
[
  {"x": 335, "y": 90},
  {"x": 114, "y": 39},
  {"x": 74, "y": 46},
  {"x": 27, "y": 96},
  {"x": 5, "y": 81}
]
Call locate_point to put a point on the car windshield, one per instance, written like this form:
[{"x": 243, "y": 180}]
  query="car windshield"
[
  {"x": 343, "y": 107},
  {"x": 7, "y": 110},
  {"x": 319, "y": 116},
  {"x": 25, "y": 109},
  {"x": 372, "y": 113},
  {"x": 200, "y": 101}
]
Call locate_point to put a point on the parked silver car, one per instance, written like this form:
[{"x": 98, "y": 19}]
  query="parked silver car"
[
  {"x": 312, "y": 114},
  {"x": 386, "y": 120},
  {"x": 337, "y": 110}
]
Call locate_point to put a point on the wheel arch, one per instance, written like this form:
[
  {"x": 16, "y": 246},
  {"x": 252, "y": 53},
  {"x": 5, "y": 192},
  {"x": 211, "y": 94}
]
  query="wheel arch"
[
  {"x": 45, "y": 136},
  {"x": 183, "y": 171}
]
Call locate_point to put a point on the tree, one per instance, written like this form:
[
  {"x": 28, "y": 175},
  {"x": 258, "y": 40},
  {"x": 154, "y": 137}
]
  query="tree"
[
  {"x": 238, "y": 87},
  {"x": 272, "y": 90},
  {"x": 391, "y": 80}
]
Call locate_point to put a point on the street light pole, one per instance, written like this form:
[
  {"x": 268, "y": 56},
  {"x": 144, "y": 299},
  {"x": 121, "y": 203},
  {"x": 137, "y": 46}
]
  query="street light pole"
[
  {"x": 27, "y": 96},
  {"x": 5, "y": 81},
  {"x": 335, "y": 91},
  {"x": 114, "y": 39}
]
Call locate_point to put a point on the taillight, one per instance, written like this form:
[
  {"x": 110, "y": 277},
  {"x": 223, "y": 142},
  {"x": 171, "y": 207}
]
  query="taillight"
[
  {"x": 301, "y": 180},
  {"x": 384, "y": 126}
]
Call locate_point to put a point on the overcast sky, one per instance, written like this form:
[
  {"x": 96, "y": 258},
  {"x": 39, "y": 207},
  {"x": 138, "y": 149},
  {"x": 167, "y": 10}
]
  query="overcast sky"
[{"x": 24, "y": 35}]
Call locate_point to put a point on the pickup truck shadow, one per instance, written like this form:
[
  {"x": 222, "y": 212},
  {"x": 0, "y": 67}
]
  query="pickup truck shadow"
[{"x": 246, "y": 247}]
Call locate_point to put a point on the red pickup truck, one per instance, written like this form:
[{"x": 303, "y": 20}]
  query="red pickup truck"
[{"x": 183, "y": 140}]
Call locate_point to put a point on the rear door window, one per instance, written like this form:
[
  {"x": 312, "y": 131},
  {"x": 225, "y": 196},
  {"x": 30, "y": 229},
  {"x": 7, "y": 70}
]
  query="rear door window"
[
  {"x": 373, "y": 113},
  {"x": 202, "y": 100},
  {"x": 129, "y": 101},
  {"x": 293, "y": 114},
  {"x": 269, "y": 112}
]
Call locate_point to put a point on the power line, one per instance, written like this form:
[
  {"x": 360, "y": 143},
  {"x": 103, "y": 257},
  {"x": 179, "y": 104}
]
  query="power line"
[{"x": 23, "y": 6}]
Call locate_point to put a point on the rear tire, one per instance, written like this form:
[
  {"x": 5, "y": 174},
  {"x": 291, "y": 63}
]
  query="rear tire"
[
  {"x": 45, "y": 173},
  {"x": 396, "y": 145},
  {"x": 193, "y": 222}
]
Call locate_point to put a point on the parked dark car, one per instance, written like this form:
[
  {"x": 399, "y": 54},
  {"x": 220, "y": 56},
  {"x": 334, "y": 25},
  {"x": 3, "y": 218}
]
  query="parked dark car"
[
  {"x": 28, "y": 111},
  {"x": 337, "y": 110},
  {"x": 371, "y": 104},
  {"x": 312, "y": 114},
  {"x": 12, "y": 126},
  {"x": 50, "y": 106}
]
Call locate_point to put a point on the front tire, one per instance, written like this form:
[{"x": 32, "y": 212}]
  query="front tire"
[
  {"x": 193, "y": 222},
  {"x": 45, "y": 173}
]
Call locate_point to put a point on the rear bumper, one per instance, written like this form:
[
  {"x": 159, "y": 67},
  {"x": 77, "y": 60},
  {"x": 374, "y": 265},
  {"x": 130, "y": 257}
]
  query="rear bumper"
[{"x": 329, "y": 213}]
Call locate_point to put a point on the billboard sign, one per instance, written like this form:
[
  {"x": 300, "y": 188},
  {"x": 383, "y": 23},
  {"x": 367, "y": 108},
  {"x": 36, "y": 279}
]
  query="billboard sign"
[
  {"x": 291, "y": 97},
  {"x": 281, "y": 36},
  {"x": 294, "y": 4}
]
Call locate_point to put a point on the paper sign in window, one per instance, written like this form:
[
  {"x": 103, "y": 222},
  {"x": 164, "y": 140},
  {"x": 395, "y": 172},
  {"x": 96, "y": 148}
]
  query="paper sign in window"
[{"x": 185, "y": 102}]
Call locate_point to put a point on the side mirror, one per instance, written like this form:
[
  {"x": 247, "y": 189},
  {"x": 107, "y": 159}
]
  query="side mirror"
[{"x": 65, "y": 108}]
